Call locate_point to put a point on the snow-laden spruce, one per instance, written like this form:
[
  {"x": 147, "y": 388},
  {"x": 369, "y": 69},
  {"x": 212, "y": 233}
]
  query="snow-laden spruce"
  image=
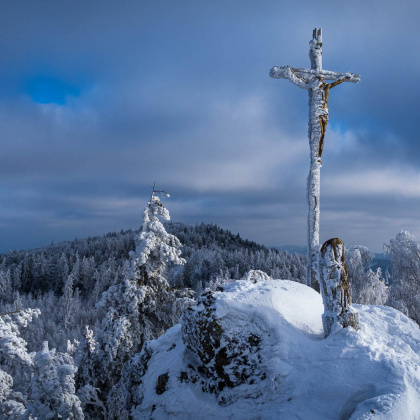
[
  {"x": 140, "y": 308},
  {"x": 156, "y": 248},
  {"x": 367, "y": 286},
  {"x": 405, "y": 292},
  {"x": 52, "y": 390},
  {"x": 256, "y": 351},
  {"x": 15, "y": 357}
]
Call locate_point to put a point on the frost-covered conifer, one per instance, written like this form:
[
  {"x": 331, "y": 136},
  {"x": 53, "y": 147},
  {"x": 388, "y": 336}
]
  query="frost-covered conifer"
[
  {"x": 140, "y": 308},
  {"x": 222, "y": 278},
  {"x": 89, "y": 363},
  {"x": 155, "y": 248},
  {"x": 5, "y": 285},
  {"x": 17, "y": 277},
  {"x": 13, "y": 354},
  {"x": 255, "y": 275},
  {"x": 62, "y": 270},
  {"x": 11, "y": 406},
  {"x": 405, "y": 289},
  {"x": 68, "y": 300},
  {"x": 12, "y": 346},
  {"x": 17, "y": 302},
  {"x": 97, "y": 290},
  {"x": 52, "y": 392},
  {"x": 367, "y": 286}
]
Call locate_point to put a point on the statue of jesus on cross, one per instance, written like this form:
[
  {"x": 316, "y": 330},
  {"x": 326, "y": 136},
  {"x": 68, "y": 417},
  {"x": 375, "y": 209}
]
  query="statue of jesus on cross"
[{"x": 314, "y": 81}]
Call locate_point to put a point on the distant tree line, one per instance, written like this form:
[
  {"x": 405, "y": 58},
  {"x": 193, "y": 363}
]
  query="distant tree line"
[{"x": 95, "y": 263}]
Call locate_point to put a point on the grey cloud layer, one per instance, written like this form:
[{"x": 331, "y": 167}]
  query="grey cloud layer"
[{"x": 178, "y": 92}]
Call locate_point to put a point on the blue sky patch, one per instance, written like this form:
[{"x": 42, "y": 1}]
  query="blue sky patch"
[{"x": 47, "y": 90}]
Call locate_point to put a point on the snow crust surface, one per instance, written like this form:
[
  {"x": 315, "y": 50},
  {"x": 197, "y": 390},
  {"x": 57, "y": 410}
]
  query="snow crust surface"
[{"x": 372, "y": 373}]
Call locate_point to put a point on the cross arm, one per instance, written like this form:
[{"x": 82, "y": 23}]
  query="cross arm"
[
  {"x": 279, "y": 73},
  {"x": 291, "y": 75}
]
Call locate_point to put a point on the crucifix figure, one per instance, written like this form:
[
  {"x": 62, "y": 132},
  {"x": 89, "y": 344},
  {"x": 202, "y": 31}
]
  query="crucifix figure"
[{"x": 314, "y": 81}]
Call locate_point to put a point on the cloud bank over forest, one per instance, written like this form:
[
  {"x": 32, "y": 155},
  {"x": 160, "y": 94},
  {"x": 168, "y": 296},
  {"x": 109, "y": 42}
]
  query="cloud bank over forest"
[{"x": 100, "y": 99}]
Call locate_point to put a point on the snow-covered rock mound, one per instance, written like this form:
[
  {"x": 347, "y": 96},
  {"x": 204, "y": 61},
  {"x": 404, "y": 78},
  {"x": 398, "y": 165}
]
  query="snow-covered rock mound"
[{"x": 256, "y": 351}]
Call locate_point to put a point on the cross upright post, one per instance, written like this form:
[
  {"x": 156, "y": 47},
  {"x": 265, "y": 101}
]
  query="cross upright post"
[{"x": 314, "y": 81}]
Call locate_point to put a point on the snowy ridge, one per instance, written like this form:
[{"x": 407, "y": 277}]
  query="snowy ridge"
[{"x": 372, "y": 373}]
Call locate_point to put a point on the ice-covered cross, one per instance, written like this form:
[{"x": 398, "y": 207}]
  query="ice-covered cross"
[{"x": 314, "y": 81}]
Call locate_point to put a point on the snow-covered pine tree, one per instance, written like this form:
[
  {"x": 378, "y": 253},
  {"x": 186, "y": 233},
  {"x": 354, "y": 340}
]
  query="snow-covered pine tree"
[
  {"x": 67, "y": 301},
  {"x": 367, "y": 286},
  {"x": 17, "y": 302},
  {"x": 140, "y": 308},
  {"x": 405, "y": 289},
  {"x": 222, "y": 278},
  {"x": 256, "y": 275},
  {"x": 52, "y": 391},
  {"x": 16, "y": 278},
  {"x": 87, "y": 359},
  {"x": 13, "y": 354},
  {"x": 62, "y": 273},
  {"x": 155, "y": 248},
  {"x": 5, "y": 285}
]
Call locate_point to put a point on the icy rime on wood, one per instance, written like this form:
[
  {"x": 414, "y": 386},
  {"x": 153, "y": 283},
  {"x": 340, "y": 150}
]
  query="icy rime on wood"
[
  {"x": 314, "y": 81},
  {"x": 335, "y": 288}
]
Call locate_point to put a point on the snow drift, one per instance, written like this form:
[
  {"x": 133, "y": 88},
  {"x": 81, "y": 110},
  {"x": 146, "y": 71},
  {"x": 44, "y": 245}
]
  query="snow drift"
[{"x": 256, "y": 351}]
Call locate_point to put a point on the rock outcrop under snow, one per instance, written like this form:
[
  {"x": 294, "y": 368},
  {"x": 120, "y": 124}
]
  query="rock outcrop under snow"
[{"x": 256, "y": 351}]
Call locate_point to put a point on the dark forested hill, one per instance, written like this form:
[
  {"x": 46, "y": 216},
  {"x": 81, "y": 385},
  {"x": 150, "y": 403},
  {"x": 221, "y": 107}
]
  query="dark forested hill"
[{"x": 95, "y": 262}]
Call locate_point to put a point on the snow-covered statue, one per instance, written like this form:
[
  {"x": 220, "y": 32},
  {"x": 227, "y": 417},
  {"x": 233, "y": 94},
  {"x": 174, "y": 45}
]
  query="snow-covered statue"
[{"x": 335, "y": 288}]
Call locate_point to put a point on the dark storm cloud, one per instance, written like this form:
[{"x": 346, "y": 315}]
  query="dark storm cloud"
[{"x": 100, "y": 98}]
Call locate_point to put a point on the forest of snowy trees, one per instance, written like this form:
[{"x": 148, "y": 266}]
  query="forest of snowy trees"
[
  {"x": 74, "y": 313},
  {"x": 73, "y": 275}
]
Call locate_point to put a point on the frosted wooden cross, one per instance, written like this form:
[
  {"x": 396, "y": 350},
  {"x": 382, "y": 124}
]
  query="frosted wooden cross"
[{"x": 314, "y": 81}]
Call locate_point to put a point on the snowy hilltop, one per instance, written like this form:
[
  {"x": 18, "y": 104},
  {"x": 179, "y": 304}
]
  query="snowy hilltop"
[{"x": 256, "y": 350}]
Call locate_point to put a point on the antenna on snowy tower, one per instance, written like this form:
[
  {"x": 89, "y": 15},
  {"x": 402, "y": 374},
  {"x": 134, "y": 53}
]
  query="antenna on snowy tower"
[{"x": 314, "y": 81}]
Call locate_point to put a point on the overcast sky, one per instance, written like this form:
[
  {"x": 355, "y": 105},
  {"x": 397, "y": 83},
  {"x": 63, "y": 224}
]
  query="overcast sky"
[{"x": 100, "y": 98}]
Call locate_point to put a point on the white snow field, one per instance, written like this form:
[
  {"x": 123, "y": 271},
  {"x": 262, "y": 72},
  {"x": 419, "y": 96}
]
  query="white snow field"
[{"x": 372, "y": 373}]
